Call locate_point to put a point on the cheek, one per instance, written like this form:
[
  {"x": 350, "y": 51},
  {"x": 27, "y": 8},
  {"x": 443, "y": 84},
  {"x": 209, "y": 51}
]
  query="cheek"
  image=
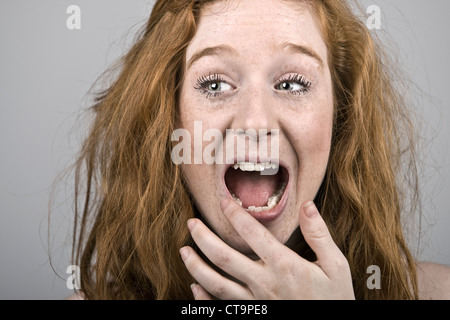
[
  {"x": 311, "y": 140},
  {"x": 317, "y": 138},
  {"x": 201, "y": 186},
  {"x": 311, "y": 126},
  {"x": 319, "y": 125}
]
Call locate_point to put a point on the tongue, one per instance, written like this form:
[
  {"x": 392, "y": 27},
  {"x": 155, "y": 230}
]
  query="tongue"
[{"x": 252, "y": 188}]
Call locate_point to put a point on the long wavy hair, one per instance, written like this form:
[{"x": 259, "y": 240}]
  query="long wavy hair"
[{"x": 132, "y": 204}]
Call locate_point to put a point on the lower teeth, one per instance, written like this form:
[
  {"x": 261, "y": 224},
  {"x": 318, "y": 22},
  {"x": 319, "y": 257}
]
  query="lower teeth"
[{"x": 271, "y": 203}]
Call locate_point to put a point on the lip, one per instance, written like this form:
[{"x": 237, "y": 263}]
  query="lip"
[{"x": 264, "y": 216}]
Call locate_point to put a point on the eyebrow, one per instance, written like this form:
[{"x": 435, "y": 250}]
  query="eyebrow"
[
  {"x": 303, "y": 50},
  {"x": 211, "y": 51},
  {"x": 220, "y": 49}
]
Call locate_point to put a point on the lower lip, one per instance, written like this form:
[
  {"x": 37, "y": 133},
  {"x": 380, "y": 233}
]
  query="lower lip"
[{"x": 267, "y": 216}]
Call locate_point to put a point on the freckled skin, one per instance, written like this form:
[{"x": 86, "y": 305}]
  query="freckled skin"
[{"x": 256, "y": 31}]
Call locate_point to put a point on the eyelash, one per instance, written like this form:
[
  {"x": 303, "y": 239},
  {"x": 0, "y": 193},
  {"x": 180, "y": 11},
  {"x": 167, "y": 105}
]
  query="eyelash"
[
  {"x": 204, "y": 81},
  {"x": 299, "y": 79}
]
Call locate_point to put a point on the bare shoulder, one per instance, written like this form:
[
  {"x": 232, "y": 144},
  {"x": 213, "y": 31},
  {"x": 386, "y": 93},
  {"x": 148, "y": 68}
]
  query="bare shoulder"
[
  {"x": 75, "y": 296},
  {"x": 433, "y": 281}
]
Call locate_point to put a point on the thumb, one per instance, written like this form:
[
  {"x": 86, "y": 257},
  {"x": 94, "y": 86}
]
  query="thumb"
[{"x": 316, "y": 233}]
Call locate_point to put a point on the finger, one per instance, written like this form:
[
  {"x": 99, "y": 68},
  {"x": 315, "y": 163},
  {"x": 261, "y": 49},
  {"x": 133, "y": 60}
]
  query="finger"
[
  {"x": 200, "y": 293},
  {"x": 213, "y": 282},
  {"x": 223, "y": 256},
  {"x": 318, "y": 237},
  {"x": 260, "y": 240}
]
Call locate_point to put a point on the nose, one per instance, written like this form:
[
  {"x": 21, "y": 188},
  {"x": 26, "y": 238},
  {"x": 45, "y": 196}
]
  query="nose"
[
  {"x": 255, "y": 116},
  {"x": 256, "y": 108}
]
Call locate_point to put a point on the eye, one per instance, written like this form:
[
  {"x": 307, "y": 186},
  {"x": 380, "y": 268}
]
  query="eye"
[
  {"x": 289, "y": 86},
  {"x": 218, "y": 86},
  {"x": 212, "y": 86},
  {"x": 293, "y": 84}
]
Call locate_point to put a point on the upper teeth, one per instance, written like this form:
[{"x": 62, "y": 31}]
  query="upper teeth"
[{"x": 250, "y": 166}]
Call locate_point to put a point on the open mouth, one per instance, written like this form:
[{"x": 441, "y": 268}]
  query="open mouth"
[{"x": 257, "y": 187}]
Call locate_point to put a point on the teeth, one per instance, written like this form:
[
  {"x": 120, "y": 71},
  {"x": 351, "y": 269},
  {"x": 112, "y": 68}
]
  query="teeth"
[
  {"x": 249, "y": 166},
  {"x": 271, "y": 202},
  {"x": 259, "y": 167},
  {"x": 237, "y": 200}
]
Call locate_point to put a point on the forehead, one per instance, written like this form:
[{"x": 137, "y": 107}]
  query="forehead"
[{"x": 257, "y": 25}]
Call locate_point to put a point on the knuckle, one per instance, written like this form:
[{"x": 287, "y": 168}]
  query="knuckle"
[
  {"x": 192, "y": 264},
  {"x": 286, "y": 267},
  {"x": 270, "y": 293},
  {"x": 221, "y": 260},
  {"x": 342, "y": 263},
  {"x": 266, "y": 287},
  {"x": 246, "y": 231},
  {"x": 318, "y": 232},
  {"x": 217, "y": 290}
]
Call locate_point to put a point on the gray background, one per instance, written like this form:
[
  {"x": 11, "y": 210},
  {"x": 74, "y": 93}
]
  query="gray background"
[{"x": 46, "y": 71}]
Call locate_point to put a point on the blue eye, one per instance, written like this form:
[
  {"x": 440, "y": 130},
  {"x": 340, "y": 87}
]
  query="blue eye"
[
  {"x": 212, "y": 85},
  {"x": 218, "y": 86},
  {"x": 289, "y": 86},
  {"x": 294, "y": 84}
]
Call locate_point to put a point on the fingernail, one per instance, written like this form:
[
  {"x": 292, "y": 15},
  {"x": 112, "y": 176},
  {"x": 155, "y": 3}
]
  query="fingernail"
[
  {"x": 184, "y": 252},
  {"x": 224, "y": 204},
  {"x": 191, "y": 224},
  {"x": 194, "y": 290},
  {"x": 310, "y": 209}
]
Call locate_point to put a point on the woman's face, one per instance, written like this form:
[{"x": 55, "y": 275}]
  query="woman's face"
[{"x": 256, "y": 66}]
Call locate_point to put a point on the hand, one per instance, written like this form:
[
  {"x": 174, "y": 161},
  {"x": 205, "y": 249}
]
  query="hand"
[{"x": 279, "y": 274}]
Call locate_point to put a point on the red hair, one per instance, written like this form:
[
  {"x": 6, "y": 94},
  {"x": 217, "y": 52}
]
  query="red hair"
[{"x": 135, "y": 204}]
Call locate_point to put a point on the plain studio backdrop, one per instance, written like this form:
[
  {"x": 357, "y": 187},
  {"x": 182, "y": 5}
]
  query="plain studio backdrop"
[{"x": 47, "y": 69}]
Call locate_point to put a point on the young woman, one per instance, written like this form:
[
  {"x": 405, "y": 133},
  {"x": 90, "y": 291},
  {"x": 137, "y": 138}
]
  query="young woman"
[{"x": 309, "y": 76}]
